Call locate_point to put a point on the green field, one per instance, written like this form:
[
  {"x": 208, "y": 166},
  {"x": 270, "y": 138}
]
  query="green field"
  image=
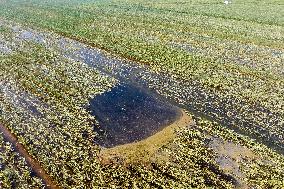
[{"x": 227, "y": 63}]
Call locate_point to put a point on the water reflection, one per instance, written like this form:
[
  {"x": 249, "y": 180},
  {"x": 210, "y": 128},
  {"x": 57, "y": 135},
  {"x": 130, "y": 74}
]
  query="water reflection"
[{"x": 128, "y": 113}]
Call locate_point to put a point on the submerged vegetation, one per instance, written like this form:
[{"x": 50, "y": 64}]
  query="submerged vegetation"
[
  {"x": 14, "y": 171},
  {"x": 222, "y": 64}
]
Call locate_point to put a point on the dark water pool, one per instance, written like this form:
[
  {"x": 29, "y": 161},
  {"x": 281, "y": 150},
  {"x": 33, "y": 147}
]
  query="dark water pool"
[{"x": 128, "y": 113}]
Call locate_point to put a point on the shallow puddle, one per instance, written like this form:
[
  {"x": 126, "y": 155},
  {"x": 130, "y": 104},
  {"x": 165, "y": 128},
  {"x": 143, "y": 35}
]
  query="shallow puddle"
[{"x": 128, "y": 114}]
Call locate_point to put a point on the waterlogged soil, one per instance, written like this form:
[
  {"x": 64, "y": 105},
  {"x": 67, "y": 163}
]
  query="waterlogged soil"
[
  {"x": 230, "y": 156},
  {"x": 22, "y": 99},
  {"x": 129, "y": 114},
  {"x": 251, "y": 119},
  {"x": 33, "y": 163}
]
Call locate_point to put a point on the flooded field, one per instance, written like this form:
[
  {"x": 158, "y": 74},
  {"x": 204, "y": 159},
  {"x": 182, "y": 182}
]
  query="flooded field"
[
  {"x": 254, "y": 120},
  {"x": 141, "y": 95}
]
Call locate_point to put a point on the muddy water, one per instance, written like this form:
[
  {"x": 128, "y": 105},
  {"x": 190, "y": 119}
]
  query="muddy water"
[
  {"x": 128, "y": 114},
  {"x": 228, "y": 111}
]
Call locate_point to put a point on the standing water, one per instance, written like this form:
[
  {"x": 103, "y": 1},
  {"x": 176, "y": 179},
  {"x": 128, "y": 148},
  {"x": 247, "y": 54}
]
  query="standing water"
[{"x": 128, "y": 114}]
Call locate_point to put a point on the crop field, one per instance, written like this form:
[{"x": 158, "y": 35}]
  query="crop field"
[{"x": 141, "y": 94}]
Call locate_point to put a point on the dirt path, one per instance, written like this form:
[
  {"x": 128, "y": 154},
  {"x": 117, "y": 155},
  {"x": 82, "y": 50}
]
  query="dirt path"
[{"x": 34, "y": 164}]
